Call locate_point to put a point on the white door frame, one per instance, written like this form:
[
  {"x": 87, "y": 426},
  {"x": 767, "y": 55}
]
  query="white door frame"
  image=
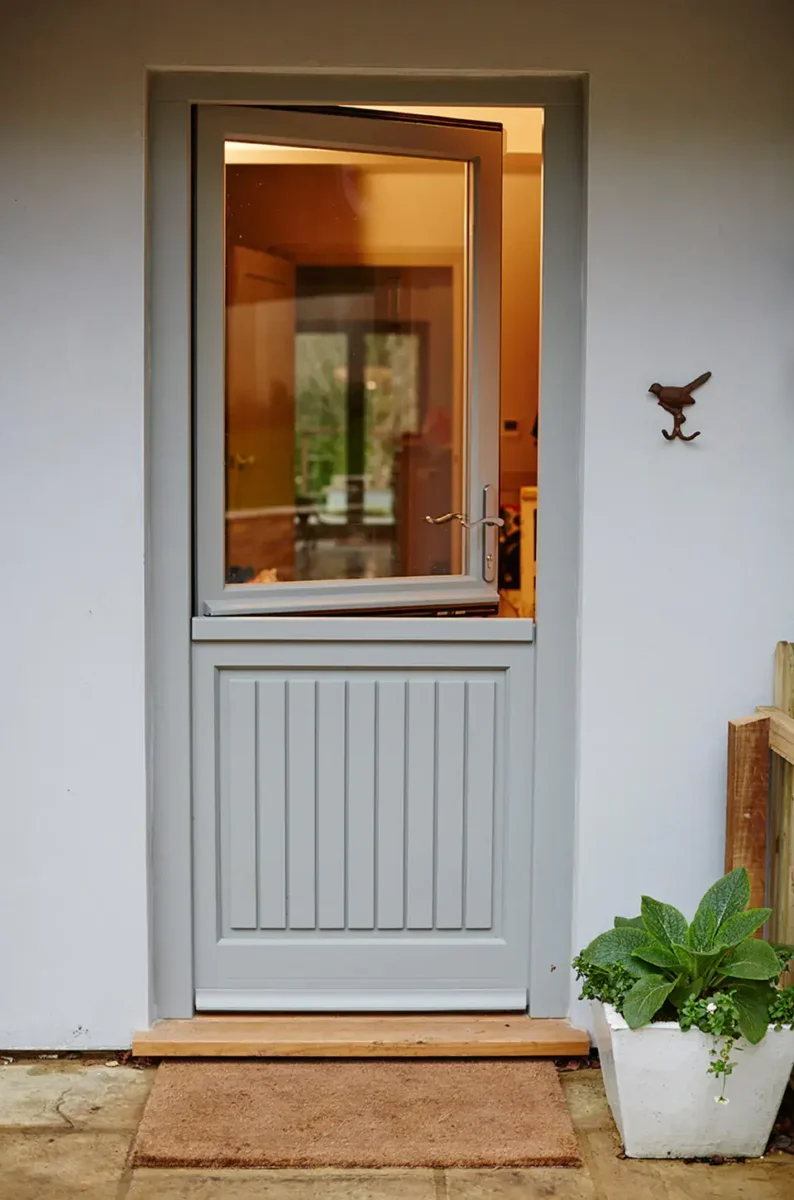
[{"x": 170, "y": 575}]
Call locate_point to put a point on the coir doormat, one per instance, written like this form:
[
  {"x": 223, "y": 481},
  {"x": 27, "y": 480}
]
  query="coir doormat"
[{"x": 356, "y": 1113}]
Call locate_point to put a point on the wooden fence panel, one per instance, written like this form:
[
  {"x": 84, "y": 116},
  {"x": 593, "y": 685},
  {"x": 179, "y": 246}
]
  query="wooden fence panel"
[{"x": 781, "y": 799}]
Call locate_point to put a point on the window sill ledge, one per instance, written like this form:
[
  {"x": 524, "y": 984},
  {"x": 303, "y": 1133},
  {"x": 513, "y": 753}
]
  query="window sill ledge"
[{"x": 360, "y": 629}]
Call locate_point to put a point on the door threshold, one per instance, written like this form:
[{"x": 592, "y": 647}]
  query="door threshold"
[{"x": 411, "y": 1035}]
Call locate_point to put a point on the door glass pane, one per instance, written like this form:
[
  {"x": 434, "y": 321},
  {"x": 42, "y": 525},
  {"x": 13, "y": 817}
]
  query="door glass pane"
[{"x": 345, "y": 352}]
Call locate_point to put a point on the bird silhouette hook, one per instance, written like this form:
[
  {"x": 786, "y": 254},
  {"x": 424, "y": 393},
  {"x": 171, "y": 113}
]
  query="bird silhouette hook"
[{"x": 674, "y": 400}]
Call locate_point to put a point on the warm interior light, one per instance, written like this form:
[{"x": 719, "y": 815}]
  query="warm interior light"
[
  {"x": 523, "y": 135},
  {"x": 523, "y": 126}
]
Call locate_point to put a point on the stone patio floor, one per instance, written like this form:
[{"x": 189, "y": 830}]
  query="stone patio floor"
[{"x": 66, "y": 1130}]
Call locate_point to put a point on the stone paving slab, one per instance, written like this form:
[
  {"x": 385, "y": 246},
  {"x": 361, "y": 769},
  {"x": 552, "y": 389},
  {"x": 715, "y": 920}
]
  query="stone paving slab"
[
  {"x": 615, "y": 1178},
  {"x": 66, "y": 1128},
  {"x": 540, "y": 1183},
  {"x": 37, "y": 1165},
  {"x": 70, "y": 1095},
  {"x": 287, "y": 1185}
]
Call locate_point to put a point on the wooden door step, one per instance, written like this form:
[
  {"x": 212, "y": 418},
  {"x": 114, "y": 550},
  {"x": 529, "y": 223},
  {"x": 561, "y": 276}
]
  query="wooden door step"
[{"x": 413, "y": 1035}]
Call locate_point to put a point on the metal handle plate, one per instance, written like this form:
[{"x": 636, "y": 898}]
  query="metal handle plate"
[{"x": 490, "y": 542}]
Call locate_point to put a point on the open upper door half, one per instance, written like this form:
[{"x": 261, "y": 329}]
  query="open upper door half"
[{"x": 347, "y": 330}]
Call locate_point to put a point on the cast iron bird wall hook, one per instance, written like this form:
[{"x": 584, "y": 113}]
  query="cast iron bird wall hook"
[{"x": 674, "y": 400}]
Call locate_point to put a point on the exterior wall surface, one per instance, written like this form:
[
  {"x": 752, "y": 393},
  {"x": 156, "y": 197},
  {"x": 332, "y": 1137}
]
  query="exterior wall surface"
[{"x": 687, "y": 570}]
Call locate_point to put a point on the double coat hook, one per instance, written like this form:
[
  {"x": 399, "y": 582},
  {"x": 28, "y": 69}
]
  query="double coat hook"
[{"x": 674, "y": 400}]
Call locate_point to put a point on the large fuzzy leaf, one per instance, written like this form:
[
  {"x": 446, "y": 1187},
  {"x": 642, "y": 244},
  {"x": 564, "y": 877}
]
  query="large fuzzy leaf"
[
  {"x": 752, "y": 1000},
  {"x": 664, "y": 923},
  {"x": 701, "y": 964},
  {"x": 614, "y": 946},
  {"x": 645, "y": 999},
  {"x": 685, "y": 989},
  {"x": 686, "y": 957},
  {"x": 659, "y": 956},
  {"x": 742, "y": 925},
  {"x": 751, "y": 959},
  {"x": 636, "y": 967},
  {"x": 635, "y": 922},
  {"x": 725, "y": 898},
  {"x": 703, "y": 930}
]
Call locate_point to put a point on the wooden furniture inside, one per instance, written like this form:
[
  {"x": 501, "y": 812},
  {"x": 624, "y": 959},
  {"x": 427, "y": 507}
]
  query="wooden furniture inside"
[
  {"x": 318, "y": 1035},
  {"x": 529, "y": 550}
]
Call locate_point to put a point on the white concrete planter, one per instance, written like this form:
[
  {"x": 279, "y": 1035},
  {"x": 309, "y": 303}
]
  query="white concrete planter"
[{"x": 664, "y": 1101}]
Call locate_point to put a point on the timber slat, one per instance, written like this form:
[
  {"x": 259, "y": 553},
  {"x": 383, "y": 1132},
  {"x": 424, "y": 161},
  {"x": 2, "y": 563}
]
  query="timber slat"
[
  {"x": 781, "y": 801},
  {"x": 781, "y": 732},
  {"x": 748, "y": 793},
  {"x": 492, "y": 1035}
]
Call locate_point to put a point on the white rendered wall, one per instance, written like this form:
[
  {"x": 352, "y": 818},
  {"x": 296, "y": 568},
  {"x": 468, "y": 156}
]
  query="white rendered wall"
[{"x": 688, "y": 561}]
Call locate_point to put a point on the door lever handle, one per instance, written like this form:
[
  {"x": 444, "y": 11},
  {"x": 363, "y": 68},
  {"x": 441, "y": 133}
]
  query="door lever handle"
[{"x": 450, "y": 516}]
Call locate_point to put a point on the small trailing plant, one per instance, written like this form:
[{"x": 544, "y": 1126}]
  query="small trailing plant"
[
  {"x": 781, "y": 1010},
  {"x": 712, "y": 974},
  {"x": 718, "y": 1016}
]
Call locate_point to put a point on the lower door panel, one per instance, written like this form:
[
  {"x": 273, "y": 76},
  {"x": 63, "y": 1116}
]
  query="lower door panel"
[{"x": 362, "y": 818}]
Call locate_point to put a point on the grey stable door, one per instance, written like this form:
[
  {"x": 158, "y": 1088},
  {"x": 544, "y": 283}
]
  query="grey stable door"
[{"x": 361, "y": 784}]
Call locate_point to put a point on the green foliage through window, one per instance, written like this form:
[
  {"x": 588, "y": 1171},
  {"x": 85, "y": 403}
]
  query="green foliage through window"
[
  {"x": 320, "y": 410},
  {"x": 391, "y": 408}
]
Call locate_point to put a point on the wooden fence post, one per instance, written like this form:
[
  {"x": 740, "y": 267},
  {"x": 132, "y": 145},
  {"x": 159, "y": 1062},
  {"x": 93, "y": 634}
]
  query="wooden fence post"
[
  {"x": 781, "y": 799},
  {"x": 748, "y": 793}
]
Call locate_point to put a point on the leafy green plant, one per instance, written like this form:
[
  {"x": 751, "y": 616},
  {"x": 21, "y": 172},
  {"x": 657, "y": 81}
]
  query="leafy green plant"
[
  {"x": 718, "y": 1016},
  {"x": 609, "y": 984},
  {"x": 674, "y": 966},
  {"x": 781, "y": 1010}
]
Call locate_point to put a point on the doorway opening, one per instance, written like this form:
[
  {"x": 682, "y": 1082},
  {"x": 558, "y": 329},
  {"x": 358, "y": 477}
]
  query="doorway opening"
[
  {"x": 223, "y": 689},
  {"x": 346, "y": 422}
]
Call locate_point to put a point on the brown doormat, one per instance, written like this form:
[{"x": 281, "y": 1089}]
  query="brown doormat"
[{"x": 356, "y": 1113}]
